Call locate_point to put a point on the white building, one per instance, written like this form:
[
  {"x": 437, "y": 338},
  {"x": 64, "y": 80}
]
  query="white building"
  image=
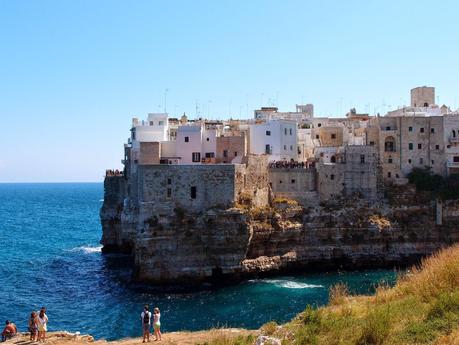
[
  {"x": 451, "y": 139},
  {"x": 154, "y": 129},
  {"x": 277, "y": 138}
]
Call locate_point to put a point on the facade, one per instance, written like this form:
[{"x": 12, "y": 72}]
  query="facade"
[{"x": 276, "y": 138}]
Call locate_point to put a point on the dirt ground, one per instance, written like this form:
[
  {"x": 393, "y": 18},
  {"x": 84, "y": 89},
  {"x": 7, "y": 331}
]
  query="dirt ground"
[{"x": 173, "y": 338}]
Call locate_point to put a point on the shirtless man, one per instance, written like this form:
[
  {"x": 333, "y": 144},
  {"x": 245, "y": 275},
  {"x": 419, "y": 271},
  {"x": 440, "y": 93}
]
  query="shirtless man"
[{"x": 9, "y": 331}]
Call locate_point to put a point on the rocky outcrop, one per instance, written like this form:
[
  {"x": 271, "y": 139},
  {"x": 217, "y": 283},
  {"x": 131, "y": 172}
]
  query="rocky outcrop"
[{"x": 188, "y": 248}]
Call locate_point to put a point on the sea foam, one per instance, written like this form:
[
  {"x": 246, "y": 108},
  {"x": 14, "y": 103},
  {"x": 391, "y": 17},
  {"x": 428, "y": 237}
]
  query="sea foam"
[
  {"x": 87, "y": 249},
  {"x": 288, "y": 284}
]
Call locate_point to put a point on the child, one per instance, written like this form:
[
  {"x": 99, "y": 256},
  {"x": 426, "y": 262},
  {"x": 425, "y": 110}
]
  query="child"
[
  {"x": 157, "y": 323},
  {"x": 33, "y": 328}
]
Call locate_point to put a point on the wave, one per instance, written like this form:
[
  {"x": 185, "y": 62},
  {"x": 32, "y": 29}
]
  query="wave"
[
  {"x": 87, "y": 249},
  {"x": 288, "y": 284}
]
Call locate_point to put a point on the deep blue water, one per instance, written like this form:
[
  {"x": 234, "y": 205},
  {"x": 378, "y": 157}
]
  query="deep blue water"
[{"x": 50, "y": 255}]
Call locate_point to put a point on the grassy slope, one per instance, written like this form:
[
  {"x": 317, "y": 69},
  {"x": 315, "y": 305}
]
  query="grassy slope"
[{"x": 422, "y": 308}]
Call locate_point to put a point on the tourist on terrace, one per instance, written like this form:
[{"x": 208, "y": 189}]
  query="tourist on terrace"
[
  {"x": 33, "y": 326},
  {"x": 42, "y": 323},
  {"x": 145, "y": 317},
  {"x": 9, "y": 331},
  {"x": 157, "y": 323}
]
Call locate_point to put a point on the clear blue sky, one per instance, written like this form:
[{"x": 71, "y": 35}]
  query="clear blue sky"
[{"x": 73, "y": 73}]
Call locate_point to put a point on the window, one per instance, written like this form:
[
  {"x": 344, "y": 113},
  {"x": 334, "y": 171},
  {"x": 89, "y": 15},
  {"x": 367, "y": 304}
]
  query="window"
[
  {"x": 426, "y": 104},
  {"x": 169, "y": 192},
  {"x": 319, "y": 125},
  {"x": 448, "y": 146},
  {"x": 410, "y": 129},
  {"x": 235, "y": 153},
  {"x": 389, "y": 174},
  {"x": 333, "y": 136},
  {"x": 388, "y": 128},
  {"x": 421, "y": 160},
  {"x": 293, "y": 181},
  {"x": 196, "y": 156},
  {"x": 285, "y": 147},
  {"x": 432, "y": 162},
  {"x": 207, "y": 139},
  {"x": 362, "y": 159},
  {"x": 432, "y": 130},
  {"x": 372, "y": 143},
  {"x": 187, "y": 139},
  {"x": 454, "y": 133},
  {"x": 280, "y": 181},
  {"x": 291, "y": 131},
  {"x": 193, "y": 192},
  {"x": 210, "y": 154},
  {"x": 421, "y": 129},
  {"x": 419, "y": 146},
  {"x": 267, "y": 149},
  {"x": 225, "y": 153},
  {"x": 291, "y": 147},
  {"x": 389, "y": 144},
  {"x": 456, "y": 159},
  {"x": 285, "y": 131},
  {"x": 437, "y": 147},
  {"x": 317, "y": 136},
  {"x": 151, "y": 123},
  {"x": 410, "y": 146},
  {"x": 169, "y": 181},
  {"x": 332, "y": 177},
  {"x": 333, "y": 159},
  {"x": 161, "y": 123},
  {"x": 409, "y": 161},
  {"x": 268, "y": 133},
  {"x": 389, "y": 160}
]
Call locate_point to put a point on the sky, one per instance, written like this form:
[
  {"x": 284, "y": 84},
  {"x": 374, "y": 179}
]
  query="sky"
[{"x": 74, "y": 73}]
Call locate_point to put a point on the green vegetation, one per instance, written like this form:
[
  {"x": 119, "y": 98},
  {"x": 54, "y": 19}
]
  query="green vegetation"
[
  {"x": 422, "y": 308},
  {"x": 425, "y": 180}
]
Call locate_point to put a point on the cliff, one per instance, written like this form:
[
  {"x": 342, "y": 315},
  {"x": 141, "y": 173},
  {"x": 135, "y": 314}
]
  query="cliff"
[{"x": 188, "y": 247}]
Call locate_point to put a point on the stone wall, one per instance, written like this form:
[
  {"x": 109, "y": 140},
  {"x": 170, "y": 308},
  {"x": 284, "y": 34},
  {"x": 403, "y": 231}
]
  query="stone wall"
[
  {"x": 231, "y": 147},
  {"x": 294, "y": 183}
]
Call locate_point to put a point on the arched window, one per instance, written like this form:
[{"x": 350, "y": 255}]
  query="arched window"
[
  {"x": 426, "y": 104},
  {"x": 454, "y": 133},
  {"x": 389, "y": 144},
  {"x": 333, "y": 159}
]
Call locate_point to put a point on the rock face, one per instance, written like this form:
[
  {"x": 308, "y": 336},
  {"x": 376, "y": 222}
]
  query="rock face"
[{"x": 185, "y": 247}]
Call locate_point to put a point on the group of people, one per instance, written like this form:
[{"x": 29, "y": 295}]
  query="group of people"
[
  {"x": 38, "y": 325},
  {"x": 146, "y": 318},
  {"x": 113, "y": 172},
  {"x": 290, "y": 164}
]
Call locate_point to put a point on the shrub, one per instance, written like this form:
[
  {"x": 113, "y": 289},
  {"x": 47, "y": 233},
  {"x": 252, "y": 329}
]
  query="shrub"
[
  {"x": 269, "y": 328},
  {"x": 375, "y": 329},
  {"x": 338, "y": 293}
]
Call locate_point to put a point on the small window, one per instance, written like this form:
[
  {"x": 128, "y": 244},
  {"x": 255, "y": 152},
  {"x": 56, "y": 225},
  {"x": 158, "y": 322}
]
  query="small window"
[
  {"x": 235, "y": 153},
  {"x": 432, "y": 130},
  {"x": 285, "y": 131},
  {"x": 161, "y": 123},
  {"x": 448, "y": 146},
  {"x": 389, "y": 161},
  {"x": 225, "y": 153},
  {"x": 372, "y": 143},
  {"x": 291, "y": 131},
  {"x": 432, "y": 162},
  {"x": 410, "y": 146},
  {"x": 389, "y": 174},
  {"x": 151, "y": 123},
  {"x": 388, "y": 128},
  {"x": 317, "y": 136},
  {"x": 319, "y": 125},
  {"x": 409, "y": 161},
  {"x": 421, "y": 129},
  {"x": 437, "y": 147},
  {"x": 169, "y": 192},
  {"x": 419, "y": 146},
  {"x": 293, "y": 181},
  {"x": 332, "y": 177},
  {"x": 187, "y": 139},
  {"x": 196, "y": 157},
  {"x": 333, "y": 136},
  {"x": 207, "y": 139},
  {"x": 362, "y": 159},
  {"x": 268, "y": 133},
  {"x": 421, "y": 160},
  {"x": 456, "y": 159},
  {"x": 280, "y": 181},
  {"x": 193, "y": 192},
  {"x": 410, "y": 129},
  {"x": 285, "y": 147},
  {"x": 169, "y": 181},
  {"x": 210, "y": 154},
  {"x": 291, "y": 147},
  {"x": 267, "y": 149},
  {"x": 396, "y": 175}
]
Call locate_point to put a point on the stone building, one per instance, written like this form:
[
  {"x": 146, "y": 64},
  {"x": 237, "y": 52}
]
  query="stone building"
[{"x": 423, "y": 96}]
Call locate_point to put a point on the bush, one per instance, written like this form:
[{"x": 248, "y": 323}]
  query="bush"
[
  {"x": 375, "y": 329},
  {"x": 269, "y": 328},
  {"x": 338, "y": 293},
  {"x": 425, "y": 180}
]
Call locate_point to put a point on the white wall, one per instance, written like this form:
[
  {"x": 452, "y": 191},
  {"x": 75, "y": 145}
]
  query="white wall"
[{"x": 185, "y": 149}]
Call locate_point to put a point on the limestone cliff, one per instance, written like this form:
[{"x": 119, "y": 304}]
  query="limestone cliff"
[{"x": 189, "y": 247}]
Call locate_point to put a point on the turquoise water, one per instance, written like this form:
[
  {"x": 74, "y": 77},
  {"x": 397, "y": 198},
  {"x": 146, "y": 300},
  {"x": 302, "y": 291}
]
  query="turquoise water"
[{"x": 50, "y": 255}]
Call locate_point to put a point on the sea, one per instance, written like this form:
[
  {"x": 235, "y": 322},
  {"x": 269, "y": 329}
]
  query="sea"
[{"x": 50, "y": 255}]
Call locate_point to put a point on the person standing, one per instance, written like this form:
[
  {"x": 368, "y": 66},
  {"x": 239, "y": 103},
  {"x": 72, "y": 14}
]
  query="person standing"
[
  {"x": 42, "y": 322},
  {"x": 145, "y": 317},
  {"x": 157, "y": 323},
  {"x": 33, "y": 328}
]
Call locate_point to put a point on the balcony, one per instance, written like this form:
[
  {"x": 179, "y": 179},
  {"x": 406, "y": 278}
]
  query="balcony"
[{"x": 453, "y": 140}]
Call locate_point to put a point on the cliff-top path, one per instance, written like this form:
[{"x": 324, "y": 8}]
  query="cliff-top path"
[{"x": 173, "y": 338}]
